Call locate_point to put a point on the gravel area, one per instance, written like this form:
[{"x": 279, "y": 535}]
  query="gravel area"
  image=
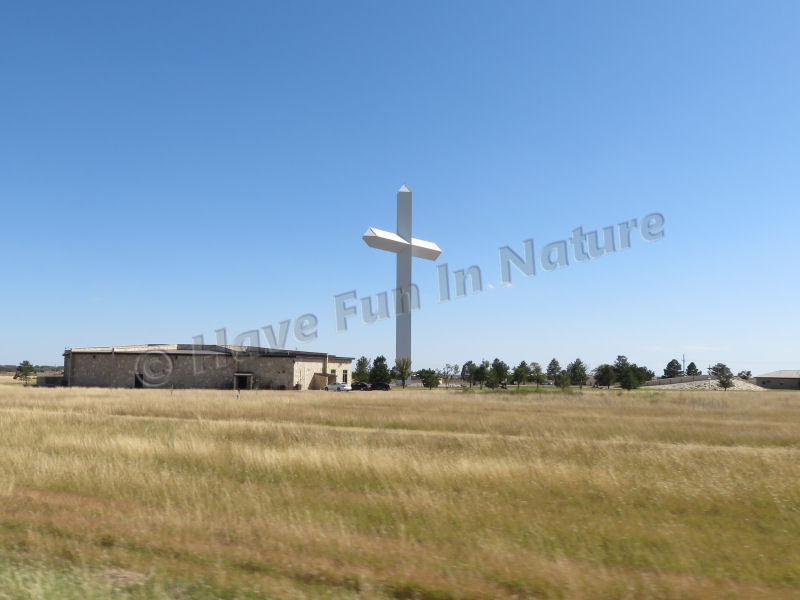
[{"x": 739, "y": 385}]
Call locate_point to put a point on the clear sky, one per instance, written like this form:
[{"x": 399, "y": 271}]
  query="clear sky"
[{"x": 170, "y": 169}]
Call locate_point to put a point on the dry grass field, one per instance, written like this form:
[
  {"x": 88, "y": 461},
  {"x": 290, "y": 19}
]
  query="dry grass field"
[{"x": 429, "y": 495}]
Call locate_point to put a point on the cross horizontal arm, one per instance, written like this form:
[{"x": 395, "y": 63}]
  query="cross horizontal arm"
[
  {"x": 386, "y": 240},
  {"x": 423, "y": 249}
]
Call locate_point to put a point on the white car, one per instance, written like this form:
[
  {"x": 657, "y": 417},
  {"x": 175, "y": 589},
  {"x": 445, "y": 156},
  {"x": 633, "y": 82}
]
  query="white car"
[{"x": 338, "y": 387}]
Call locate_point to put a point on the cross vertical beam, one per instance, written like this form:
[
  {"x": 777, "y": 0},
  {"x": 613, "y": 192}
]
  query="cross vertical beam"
[{"x": 402, "y": 307}]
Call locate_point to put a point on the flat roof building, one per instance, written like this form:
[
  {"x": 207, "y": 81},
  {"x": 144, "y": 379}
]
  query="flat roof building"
[
  {"x": 780, "y": 380},
  {"x": 203, "y": 366}
]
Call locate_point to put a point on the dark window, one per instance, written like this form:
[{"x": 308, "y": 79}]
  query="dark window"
[{"x": 344, "y": 375}]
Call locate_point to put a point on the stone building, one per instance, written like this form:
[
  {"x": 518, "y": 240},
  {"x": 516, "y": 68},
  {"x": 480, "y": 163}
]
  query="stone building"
[
  {"x": 780, "y": 380},
  {"x": 206, "y": 366}
]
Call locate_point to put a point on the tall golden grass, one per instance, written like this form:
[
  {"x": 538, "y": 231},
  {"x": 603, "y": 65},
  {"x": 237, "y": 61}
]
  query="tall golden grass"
[{"x": 408, "y": 494}]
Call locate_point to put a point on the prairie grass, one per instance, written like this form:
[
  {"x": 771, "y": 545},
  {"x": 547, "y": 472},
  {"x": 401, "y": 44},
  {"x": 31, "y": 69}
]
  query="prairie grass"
[{"x": 410, "y": 494}]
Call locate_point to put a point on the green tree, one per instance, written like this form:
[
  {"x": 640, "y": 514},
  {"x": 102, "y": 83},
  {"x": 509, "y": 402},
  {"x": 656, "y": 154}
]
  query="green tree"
[
  {"x": 481, "y": 372},
  {"x": 402, "y": 367},
  {"x": 642, "y": 374},
  {"x": 553, "y": 369},
  {"x": 379, "y": 373},
  {"x": 630, "y": 375},
  {"x": 521, "y": 372},
  {"x": 500, "y": 370},
  {"x": 577, "y": 372},
  {"x": 492, "y": 382},
  {"x": 673, "y": 369},
  {"x": 563, "y": 380},
  {"x": 24, "y": 371},
  {"x": 536, "y": 374},
  {"x": 621, "y": 366},
  {"x": 429, "y": 377},
  {"x": 448, "y": 373},
  {"x": 692, "y": 370},
  {"x": 717, "y": 369},
  {"x": 361, "y": 372},
  {"x": 745, "y": 375},
  {"x": 629, "y": 380},
  {"x": 467, "y": 371},
  {"x": 604, "y": 375},
  {"x": 723, "y": 375}
]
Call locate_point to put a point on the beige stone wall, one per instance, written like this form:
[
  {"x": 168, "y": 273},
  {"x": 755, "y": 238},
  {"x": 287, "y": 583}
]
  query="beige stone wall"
[
  {"x": 304, "y": 370},
  {"x": 118, "y": 370},
  {"x": 187, "y": 371},
  {"x": 341, "y": 367},
  {"x": 268, "y": 372},
  {"x": 105, "y": 370}
]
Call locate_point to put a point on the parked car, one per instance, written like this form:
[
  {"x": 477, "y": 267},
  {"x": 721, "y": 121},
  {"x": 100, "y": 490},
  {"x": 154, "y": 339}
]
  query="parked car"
[
  {"x": 338, "y": 387},
  {"x": 382, "y": 386},
  {"x": 362, "y": 385}
]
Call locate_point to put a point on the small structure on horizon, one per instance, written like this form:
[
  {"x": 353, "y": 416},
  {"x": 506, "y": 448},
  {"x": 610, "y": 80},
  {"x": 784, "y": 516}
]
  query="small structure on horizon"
[
  {"x": 203, "y": 366},
  {"x": 780, "y": 380}
]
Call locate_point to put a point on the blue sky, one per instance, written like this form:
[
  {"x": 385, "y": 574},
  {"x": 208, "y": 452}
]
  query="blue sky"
[{"x": 169, "y": 169}]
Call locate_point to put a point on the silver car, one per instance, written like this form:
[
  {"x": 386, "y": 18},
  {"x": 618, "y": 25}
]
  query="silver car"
[{"x": 338, "y": 387}]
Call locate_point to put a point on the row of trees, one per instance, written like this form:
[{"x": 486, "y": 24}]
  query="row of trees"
[
  {"x": 378, "y": 371},
  {"x": 497, "y": 373},
  {"x": 674, "y": 369},
  {"x": 577, "y": 372},
  {"x": 629, "y": 375}
]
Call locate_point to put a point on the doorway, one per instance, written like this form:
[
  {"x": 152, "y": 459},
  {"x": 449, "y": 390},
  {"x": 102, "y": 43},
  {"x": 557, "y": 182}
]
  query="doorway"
[{"x": 243, "y": 381}]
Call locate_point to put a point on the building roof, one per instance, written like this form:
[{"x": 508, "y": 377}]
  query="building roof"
[
  {"x": 781, "y": 375},
  {"x": 203, "y": 350}
]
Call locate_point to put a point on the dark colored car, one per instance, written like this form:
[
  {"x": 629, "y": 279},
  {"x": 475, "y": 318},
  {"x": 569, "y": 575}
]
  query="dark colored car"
[
  {"x": 361, "y": 385},
  {"x": 381, "y": 386}
]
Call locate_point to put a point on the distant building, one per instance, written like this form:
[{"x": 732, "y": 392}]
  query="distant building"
[
  {"x": 196, "y": 366},
  {"x": 780, "y": 380}
]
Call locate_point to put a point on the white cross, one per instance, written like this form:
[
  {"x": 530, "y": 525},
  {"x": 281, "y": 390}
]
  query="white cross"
[{"x": 406, "y": 247}]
